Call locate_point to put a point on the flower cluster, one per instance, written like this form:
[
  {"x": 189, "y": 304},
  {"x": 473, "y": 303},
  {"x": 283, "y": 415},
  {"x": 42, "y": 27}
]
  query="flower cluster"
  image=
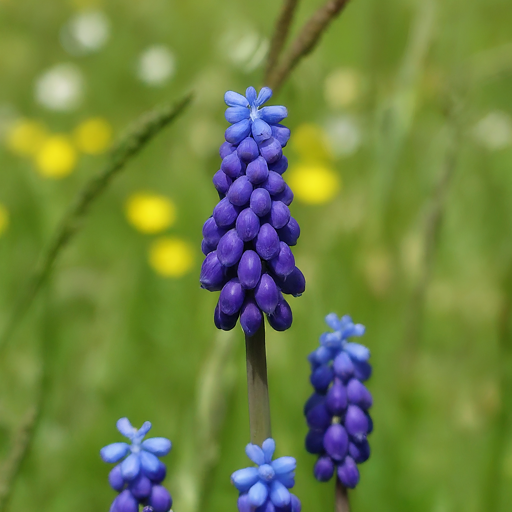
[
  {"x": 337, "y": 412},
  {"x": 265, "y": 488},
  {"x": 138, "y": 477},
  {"x": 247, "y": 240}
]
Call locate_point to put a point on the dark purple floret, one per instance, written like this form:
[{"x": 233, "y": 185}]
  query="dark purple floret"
[
  {"x": 230, "y": 248},
  {"x": 115, "y": 478},
  {"x": 226, "y": 149},
  {"x": 313, "y": 400},
  {"x": 336, "y": 442},
  {"x": 267, "y": 242},
  {"x": 257, "y": 171},
  {"x": 160, "y": 499},
  {"x": 336, "y": 399},
  {"x": 249, "y": 269},
  {"x": 232, "y": 166},
  {"x": 140, "y": 487},
  {"x": 283, "y": 264},
  {"x": 240, "y": 191},
  {"x": 266, "y": 294},
  {"x": 125, "y": 502},
  {"x": 222, "y": 182},
  {"x": 324, "y": 469},
  {"x": 286, "y": 196},
  {"x": 225, "y": 214},
  {"x": 315, "y": 441},
  {"x": 250, "y": 232},
  {"x": 250, "y": 317},
  {"x": 358, "y": 394},
  {"x": 231, "y": 297},
  {"x": 356, "y": 422},
  {"x": 248, "y": 150},
  {"x": 294, "y": 283},
  {"x": 282, "y": 317},
  {"x": 223, "y": 321},
  {"x": 348, "y": 473},
  {"x": 261, "y": 202},
  {"x": 213, "y": 274},
  {"x": 321, "y": 378},
  {"x": 279, "y": 215},
  {"x": 359, "y": 451},
  {"x": 271, "y": 150},
  {"x": 318, "y": 417},
  {"x": 247, "y": 225},
  {"x": 274, "y": 183}
]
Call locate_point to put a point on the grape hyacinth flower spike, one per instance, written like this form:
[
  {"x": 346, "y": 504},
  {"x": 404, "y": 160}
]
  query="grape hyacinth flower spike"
[
  {"x": 139, "y": 473},
  {"x": 337, "y": 412},
  {"x": 246, "y": 242},
  {"x": 265, "y": 488}
]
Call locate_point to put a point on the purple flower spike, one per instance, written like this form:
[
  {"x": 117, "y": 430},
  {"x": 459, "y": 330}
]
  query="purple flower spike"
[
  {"x": 251, "y": 230},
  {"x": 137, "y": 477},
  {"x": 337, "y": 413}
]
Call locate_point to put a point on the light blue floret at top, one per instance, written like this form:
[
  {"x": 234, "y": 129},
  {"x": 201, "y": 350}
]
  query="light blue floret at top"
[
  {"x": 271, "y": 479},
  {"x": 333, "y": 343},
  {"x": 141, "y": 453}
]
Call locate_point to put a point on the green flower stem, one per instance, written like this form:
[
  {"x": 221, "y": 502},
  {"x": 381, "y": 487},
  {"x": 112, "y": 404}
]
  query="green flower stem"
[
  {"x": 257, "y": 386},
  {"x": 145, "y": 128},
  {"x": 341, "y": 503}
]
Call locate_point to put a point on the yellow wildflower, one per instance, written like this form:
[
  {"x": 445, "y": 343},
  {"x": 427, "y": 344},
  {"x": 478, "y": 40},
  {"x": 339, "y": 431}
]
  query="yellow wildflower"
[
  {"x": 4, "y": 218},
  {"x": 150, "y": 213},
  {"x": 314, "y": 184},
  {"x": 171, "y": 257},
  {"x": 310, "y": 142},
  {"x": 56, "y": 157},
  {"x": 93, "y": 136},
  {"x": 26, "y": 137}
]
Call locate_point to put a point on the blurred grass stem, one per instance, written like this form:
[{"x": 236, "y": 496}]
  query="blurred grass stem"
[
  {"x": 341, "y": 502},
  {"x": 144, "y": 129},
  {"x": 257, "y": 386},
  {"x": 305, "y": 41},
  {"x": 280, "y": 35}
]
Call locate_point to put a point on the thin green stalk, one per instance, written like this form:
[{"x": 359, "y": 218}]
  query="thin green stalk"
[
  {"x": 257, "y": 386},
  {"x": 280, "y": 35},
  {"x": 341, "y": 502},
  {"x": 306, "y": 41},
  {"x": 149, "y": 125}
]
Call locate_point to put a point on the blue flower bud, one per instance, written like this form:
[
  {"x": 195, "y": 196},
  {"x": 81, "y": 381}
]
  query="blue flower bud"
[
  {"x": 222, "y": 182},
  {"x": 115, "y": 478},
  {"x": 283, "y": 264},
  {"x": 238, "y": 132},
  {"x": 213, "y": 273},
  {"x": 359, "y": 451},
  {"x": 286, "y": 196},
  {"x": 281, "y": 133},
  {"x": 321, "y": 378},
  {"x": 336, "y": 399},
  {"x": 212, "y": 233},
  {"x": 225, "y": 214},
  {"x": 356, "y": 422},
  {"x": 271, "y": 150},
  {"x": 293, "y": 284},
  {"x": 315, "y": 441},
  {"x": 279, "y": 166},
  {"x": 274, "y": 183},
  {"x": 279, "y": 215},
  {"x": 318, "y": 417},
  {"x": 140, "y": 487},
  {"x": 261, "y": 131},
  {"x": 223, "y": 321},
  {"x": 125, "y": 502},
  {"x": 226, "y": 149},
  {"x": 282, "y": 317},
  {"x": 358, "y": 394}
]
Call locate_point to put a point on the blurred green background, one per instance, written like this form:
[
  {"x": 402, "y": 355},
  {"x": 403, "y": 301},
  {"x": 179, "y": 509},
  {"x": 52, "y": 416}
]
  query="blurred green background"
[{"x": 402, "y": 166}]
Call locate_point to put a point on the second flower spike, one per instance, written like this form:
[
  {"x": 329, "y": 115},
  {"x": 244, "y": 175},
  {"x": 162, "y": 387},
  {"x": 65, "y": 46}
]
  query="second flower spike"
[{"x": 247, "y": 239}]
